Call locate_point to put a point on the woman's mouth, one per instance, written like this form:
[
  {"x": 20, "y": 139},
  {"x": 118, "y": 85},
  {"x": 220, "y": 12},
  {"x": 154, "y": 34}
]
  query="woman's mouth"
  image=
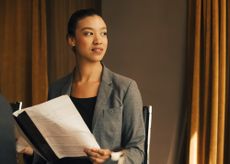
[{"x": 97, "y": 50}]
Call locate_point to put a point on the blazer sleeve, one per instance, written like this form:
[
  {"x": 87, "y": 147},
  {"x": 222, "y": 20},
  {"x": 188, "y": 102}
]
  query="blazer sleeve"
[{"x": 133, "y": 135}]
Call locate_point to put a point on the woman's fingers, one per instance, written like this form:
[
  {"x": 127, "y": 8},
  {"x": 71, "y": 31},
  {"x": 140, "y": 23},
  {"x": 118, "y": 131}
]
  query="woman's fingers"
[
  {"x": 97, "y": 160},
  {"x": 98, "y": 155},
  {"x": 91, "y": 152},
  {"x": 104, "y": 152}
]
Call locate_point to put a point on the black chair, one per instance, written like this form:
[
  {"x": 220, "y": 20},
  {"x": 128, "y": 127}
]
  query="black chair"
[
  {"x": 16, "y": 105},
  {"x": 147, "y": 114}
]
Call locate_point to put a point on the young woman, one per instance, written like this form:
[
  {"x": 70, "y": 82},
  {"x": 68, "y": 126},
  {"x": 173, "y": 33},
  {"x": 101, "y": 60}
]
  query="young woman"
[{"x": 109, "y": 103}]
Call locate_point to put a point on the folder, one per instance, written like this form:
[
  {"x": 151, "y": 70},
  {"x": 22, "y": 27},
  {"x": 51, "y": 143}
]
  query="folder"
[{"x": 55, "y": 129}]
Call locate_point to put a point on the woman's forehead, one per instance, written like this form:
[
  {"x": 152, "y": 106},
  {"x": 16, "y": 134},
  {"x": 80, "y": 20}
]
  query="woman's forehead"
[{"x": 91, "y": 22}]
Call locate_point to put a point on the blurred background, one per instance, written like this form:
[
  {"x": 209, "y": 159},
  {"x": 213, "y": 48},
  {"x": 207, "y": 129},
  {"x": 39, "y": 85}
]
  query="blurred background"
[{"x": 156, "y": 42}]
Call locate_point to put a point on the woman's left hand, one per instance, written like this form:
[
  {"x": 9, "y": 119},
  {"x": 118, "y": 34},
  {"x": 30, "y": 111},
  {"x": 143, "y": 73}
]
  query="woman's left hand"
[{"x": 98, "y": 156}]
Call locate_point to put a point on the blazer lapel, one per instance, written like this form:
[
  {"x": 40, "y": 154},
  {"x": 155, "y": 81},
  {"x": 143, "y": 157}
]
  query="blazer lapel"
[
  {"x": 103, "y": 96},
  {"x": 103, "y": 93}
]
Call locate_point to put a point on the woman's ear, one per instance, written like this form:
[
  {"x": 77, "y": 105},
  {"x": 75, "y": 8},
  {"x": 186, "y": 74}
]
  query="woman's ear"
[{"x": 71, "y": 41}]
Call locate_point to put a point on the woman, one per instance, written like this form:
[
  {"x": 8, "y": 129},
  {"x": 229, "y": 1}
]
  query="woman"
[{"x": 109, "y": 103}]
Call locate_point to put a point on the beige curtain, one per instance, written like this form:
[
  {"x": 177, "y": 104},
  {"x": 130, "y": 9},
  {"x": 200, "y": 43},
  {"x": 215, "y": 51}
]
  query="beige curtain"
[
  {"x": 208, "y": 102},
  {"x": 33, "y": 48},
  {"x": 23, "y": 50},
  {"x": 227, "y": 137},
  {"x": 39, "y": 52}
]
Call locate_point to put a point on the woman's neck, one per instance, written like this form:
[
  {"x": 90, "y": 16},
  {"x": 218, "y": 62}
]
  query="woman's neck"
[{"x": 88, "y": 72}]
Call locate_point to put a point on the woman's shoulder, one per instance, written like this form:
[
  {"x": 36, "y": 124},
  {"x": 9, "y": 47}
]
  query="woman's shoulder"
[
  {"x": 118, "y": 79},
  {"x": 60, "y": 86},
  {"x": 121, "y": 78}
]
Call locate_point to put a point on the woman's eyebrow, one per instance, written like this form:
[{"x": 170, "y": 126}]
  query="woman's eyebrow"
[
  {"x": 90, "y": 28},
  {"x": 86, "y": 28},
  {"x": 104, "y": 28}
]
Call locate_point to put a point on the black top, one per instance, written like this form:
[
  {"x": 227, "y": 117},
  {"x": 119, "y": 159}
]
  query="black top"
[{"x": 85, "y": 107}]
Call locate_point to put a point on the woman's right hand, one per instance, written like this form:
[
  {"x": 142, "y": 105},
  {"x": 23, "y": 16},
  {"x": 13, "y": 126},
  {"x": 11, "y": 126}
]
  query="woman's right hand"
[{"x": 98, "y": 156}]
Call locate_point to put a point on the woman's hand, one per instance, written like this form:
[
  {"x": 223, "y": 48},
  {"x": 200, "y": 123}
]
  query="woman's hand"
[
  {"x": 98, "y": 156},
  {"x": 27, "y": 150}
]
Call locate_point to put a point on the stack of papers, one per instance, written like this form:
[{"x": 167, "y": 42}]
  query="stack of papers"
[{"x": 55, "y": 129}]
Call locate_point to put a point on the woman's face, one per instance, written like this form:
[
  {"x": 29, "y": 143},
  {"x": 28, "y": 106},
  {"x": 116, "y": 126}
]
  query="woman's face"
[{"x": 91, "y": 38}]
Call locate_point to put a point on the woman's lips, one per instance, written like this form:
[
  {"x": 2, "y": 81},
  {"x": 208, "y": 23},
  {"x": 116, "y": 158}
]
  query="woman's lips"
[{"x": 97, "y": 50}]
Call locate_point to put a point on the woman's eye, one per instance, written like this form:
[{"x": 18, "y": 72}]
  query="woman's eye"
[
  {"x": 88, "y": 33},
  {"x": 104, "y": 33}
]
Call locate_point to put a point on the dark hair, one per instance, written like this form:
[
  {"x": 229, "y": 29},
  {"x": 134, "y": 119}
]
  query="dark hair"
[{"x": 76, "y": 17}]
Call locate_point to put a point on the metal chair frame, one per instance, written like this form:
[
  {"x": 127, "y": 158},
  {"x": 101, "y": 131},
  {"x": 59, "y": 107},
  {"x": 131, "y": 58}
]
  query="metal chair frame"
[{"x": 147, "y": 114}]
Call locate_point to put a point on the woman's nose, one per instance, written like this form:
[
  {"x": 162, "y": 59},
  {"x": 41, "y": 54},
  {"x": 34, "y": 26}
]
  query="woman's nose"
[{"x": 97, "y": 40}]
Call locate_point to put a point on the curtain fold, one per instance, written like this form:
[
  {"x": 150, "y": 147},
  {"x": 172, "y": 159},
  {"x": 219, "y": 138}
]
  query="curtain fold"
[
  {"x": 227, "y": 137},
  {"x": 33, "y": 46},
  {"x": 210, "y": 65},
  {"x": 23, "y": 51},
  {"x": 39, "y": 52},
  {"x": 227, "y": 126},
  {"x": 15, "y": 50},
  {"x": 222, "y": 78}
]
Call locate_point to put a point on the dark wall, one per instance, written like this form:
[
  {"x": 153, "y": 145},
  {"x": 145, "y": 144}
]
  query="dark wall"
[{"x": 148, "y": 43}]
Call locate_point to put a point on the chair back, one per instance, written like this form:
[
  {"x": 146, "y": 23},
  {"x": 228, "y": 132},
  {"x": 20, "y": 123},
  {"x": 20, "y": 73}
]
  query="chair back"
[
  {"x": 147, "y": 114},
  {"x": 16, "y": 105}
]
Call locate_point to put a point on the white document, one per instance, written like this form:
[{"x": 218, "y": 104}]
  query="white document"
[{"x": 62, "y": 126}]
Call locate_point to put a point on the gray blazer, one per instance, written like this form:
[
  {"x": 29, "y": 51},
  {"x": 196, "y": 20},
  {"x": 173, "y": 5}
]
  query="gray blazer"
[{"x": 118, "y": 120}]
